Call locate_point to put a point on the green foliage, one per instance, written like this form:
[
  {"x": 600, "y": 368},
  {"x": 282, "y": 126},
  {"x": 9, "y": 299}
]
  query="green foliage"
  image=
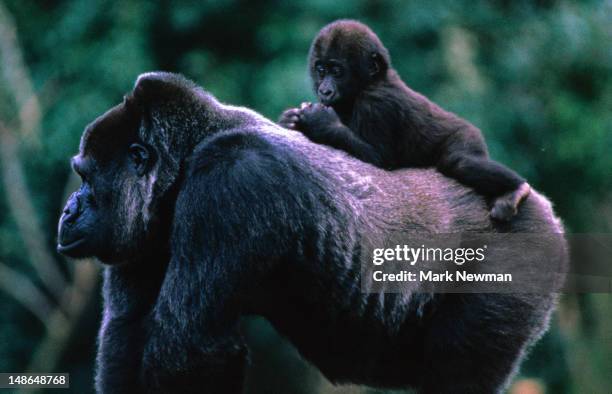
[{"x": 535, "y": 76}]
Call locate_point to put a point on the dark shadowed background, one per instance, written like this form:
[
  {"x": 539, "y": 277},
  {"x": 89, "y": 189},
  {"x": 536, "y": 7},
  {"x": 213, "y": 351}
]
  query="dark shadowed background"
[{"x": 535, "y": 76}]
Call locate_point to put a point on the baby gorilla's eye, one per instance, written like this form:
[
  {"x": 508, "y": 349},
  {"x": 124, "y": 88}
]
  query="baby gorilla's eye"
[
  {"x": 336, "y": 71},
  {"x": 320, "y": 70}
]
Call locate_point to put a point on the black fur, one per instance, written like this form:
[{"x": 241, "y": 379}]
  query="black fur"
[
  {"x": 375, "y": 117},
  {"x": 235, "y": 215}
]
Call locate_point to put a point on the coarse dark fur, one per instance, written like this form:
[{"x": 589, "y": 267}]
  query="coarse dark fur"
[
  {"x": 369, "y": 112},
  {"x": 204, "y": 212}
]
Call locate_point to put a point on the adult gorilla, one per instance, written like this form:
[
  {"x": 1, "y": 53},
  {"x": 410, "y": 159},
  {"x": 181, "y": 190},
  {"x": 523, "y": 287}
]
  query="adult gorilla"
[{"x": 204, "y": 212}]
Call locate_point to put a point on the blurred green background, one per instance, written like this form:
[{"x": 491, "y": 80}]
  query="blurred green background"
[{"x": 535, "y": 76}]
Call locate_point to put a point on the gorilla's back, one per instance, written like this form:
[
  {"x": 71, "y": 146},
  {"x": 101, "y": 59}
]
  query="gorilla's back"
[
  {"x": 371, "y": 208},
  {"x": 427, "y": 200}
]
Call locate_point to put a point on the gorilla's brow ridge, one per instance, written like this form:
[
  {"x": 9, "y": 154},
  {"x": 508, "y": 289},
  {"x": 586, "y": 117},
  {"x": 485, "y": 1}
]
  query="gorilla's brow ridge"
[{"x": 78, "y": 165}]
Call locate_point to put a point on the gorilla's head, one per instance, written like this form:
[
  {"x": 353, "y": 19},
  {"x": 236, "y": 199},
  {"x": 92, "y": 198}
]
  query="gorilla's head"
[
  {"x": 129, "y": 161},
  {"x": 344, "y": 58}
]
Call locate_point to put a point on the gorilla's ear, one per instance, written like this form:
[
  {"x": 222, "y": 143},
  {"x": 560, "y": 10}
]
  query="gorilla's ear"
[{"x": 378, "y": 64}]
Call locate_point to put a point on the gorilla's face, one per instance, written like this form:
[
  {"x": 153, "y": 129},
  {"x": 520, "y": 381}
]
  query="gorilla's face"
[
  {"x": 83, "y": 227},
  {"x": 107, "y": 217},
  {"x": 338, "y": 77},
  {"x": 129, "y": 162},
  {"x": 344, "y": 59},
  {"x": 332, "y": 81}
]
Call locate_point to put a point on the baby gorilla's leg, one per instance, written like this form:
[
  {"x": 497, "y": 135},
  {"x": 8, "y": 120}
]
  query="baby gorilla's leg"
[
  {"x": 506, "y": 206},
  {"x": 488, "y": 178}
]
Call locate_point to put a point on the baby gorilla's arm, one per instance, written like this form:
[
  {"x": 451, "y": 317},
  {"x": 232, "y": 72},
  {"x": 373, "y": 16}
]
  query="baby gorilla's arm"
[{"x": 322, "y": 125}]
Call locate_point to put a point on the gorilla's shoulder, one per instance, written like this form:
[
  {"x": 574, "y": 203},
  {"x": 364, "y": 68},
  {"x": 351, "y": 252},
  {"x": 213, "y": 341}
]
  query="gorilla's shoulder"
[
  {"x": 256, "y": 173},
  {"x": 245, "y": 147}
]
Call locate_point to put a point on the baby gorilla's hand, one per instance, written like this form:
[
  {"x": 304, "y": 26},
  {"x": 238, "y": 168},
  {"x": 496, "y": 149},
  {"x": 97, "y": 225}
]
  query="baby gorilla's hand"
[
  {"x": 316, "y": 121},
  {"x": 290, "y": 118}
]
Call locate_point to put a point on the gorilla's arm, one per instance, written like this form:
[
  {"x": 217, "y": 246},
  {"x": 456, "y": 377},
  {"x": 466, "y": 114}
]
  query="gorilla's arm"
[
  {"x": 192, "y": 334},
  {"x": 322, "y": 125},
  {"x": 227, "y": 228},
  {"x": 129, "y": 292},
  {"x": 191, "y": 337}
]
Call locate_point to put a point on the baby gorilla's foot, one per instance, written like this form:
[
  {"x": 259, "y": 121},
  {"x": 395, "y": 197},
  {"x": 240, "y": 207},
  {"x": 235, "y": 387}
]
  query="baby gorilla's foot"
[{"x": 506, "y": 206}]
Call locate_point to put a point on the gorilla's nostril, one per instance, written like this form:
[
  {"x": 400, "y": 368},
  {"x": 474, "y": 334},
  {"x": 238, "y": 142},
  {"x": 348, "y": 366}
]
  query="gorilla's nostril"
[{"x": 71, "y": 211}]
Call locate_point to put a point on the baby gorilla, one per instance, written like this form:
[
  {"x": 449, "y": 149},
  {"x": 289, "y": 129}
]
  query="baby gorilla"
[{"x": 368, "y": 111}]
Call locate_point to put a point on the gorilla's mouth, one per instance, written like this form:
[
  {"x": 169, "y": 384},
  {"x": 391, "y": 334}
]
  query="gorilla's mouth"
[
  {"x": 68, "y": 248},
  {"x": 329, "y": 100}
]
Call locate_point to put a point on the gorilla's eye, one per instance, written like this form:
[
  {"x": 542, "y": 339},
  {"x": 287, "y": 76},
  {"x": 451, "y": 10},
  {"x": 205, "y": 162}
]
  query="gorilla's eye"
[
  {"x": 336, "y": 71},
  {"x": 140, "y": 157},
  {"x": 320, "y": 70}
]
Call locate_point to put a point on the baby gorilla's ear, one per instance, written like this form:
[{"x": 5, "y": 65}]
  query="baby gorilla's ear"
[{"x": 377, "y": 64}]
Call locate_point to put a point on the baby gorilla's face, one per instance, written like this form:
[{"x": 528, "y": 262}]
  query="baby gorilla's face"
[
  {"x": 345, "y": 57},
  {"x": 331, "y": 80}
]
